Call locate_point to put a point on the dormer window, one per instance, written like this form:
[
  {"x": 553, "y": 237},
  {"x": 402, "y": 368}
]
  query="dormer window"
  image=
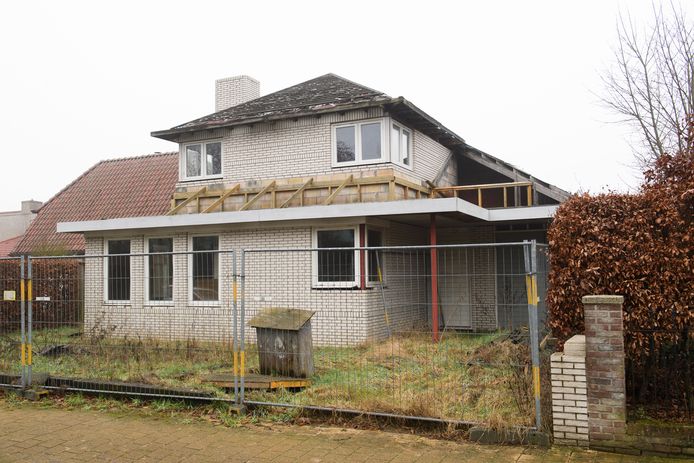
[
  {"x": 400, "y": 145},
  {"x": 371, "y": 142},
  {"x": 201, "y": 160},
  {"x": 359, "y": 143}
]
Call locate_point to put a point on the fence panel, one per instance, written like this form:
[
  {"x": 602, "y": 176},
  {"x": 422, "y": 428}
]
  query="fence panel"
[
  {"x": 12, "y": 323},
  {"x": 660, "y": 375},
  {"x": 152, "y": 324},
  {"x": 358, "y": 325}
]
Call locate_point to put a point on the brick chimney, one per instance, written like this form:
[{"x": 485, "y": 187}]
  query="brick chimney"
[{"x": 232, "y": 91}]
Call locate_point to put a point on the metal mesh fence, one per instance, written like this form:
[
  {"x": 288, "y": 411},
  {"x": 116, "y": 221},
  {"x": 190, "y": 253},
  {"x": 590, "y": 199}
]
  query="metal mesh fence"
[
  {"x": 446, "y": 332},
  {"x": 358, "y": 324},
  {"x": 659, "y": 378},
  {"x": 137, "y": 324},
  {"x": 11, "y": 321}
]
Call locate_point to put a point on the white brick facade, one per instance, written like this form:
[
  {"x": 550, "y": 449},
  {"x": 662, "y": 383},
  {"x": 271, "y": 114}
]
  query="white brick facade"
[
  {"x": 284, "y": 279},
  {"x": 300, "y": 148}
]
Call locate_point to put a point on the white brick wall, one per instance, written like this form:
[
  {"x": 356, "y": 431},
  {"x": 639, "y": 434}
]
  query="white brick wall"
[
  {"x": 569, "y": 399},
  {"x": 300, "y": 148},
  {"x": 284, "y": 279}
]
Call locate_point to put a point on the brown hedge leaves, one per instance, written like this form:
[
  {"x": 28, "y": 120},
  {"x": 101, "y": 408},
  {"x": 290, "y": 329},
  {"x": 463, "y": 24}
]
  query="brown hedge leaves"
[{"x": 636, "y": 245}]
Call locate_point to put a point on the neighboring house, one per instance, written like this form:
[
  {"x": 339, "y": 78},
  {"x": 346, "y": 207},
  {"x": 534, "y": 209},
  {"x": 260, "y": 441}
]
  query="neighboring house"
[
  {"x": 8, "y": 245},
  {"x": 137, "y": 186},
  {"x": 325, "y": 163},
  {"x": 14, "y": 223}
]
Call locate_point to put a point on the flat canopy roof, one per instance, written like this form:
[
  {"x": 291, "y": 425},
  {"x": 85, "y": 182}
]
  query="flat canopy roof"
[{"x": 455, "y": 206}]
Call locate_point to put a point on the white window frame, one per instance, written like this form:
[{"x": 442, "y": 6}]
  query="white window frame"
[
  {"x": 372, "y": 284},
  {"x": 182, "y": 168},
  {"x": 106, "y": 275},
  {"x": 358, "y": 161},
  {"x": 218, "y": 301},
  {"x": 410, "y": 143},
  {"x": 314, "y": 260},
  {"x": 146, "y": 265}
]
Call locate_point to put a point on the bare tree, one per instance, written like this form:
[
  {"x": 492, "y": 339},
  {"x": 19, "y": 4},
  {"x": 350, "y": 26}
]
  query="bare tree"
[{"x": 652, "y": 83}]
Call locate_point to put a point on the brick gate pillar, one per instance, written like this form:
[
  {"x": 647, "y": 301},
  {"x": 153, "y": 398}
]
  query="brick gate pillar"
[{"x": 605, "y": 376}]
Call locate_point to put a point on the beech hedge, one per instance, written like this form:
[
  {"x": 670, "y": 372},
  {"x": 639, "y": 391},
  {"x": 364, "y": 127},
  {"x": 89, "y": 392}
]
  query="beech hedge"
[{"x": 635, "y": 245}]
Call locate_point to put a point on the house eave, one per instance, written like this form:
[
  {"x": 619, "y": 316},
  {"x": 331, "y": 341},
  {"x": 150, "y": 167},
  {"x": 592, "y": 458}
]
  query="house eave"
[
  {"x": 336, "y": 211},
  {"x": 174, "y": 133}
]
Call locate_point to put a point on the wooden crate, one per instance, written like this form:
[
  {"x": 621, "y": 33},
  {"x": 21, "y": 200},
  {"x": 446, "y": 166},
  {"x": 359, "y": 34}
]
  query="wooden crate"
[{"x": 285, "y": 343}]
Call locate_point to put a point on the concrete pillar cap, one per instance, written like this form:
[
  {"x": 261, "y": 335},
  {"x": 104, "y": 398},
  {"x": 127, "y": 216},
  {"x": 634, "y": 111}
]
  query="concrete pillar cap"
[{"x": 603, "y": 299}]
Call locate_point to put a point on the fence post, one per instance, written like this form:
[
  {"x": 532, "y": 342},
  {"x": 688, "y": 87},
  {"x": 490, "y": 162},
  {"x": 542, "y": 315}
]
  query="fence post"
[
  {"x": 605, "y": 376},
  {"x": 530, "y": 255},
  {"x": 235, "y": 331},
  {"x": 22, "y": 309},
  {"x": 29, "y": 322},
  {"x": 242, "y": 354}
]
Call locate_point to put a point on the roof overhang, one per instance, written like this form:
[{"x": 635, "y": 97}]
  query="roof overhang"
[{"x": 388, "y": 209}]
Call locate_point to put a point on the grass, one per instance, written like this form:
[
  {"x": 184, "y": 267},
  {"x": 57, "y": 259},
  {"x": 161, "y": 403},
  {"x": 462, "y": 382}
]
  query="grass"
[{"x": 478, "y": 378}]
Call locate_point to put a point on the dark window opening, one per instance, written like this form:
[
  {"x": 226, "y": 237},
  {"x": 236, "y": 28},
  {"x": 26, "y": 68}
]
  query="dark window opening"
[
  {"x": 335, "y": 265},
  {"x": 160, "y": 270},
  {"x": 205, "y": 271},
  {"x": 118, "y": 268}
]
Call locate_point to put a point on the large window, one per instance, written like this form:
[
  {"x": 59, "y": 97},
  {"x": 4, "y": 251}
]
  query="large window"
[
  {"x": 118, "y": 270},
  {"x": 372, "y": 141},
  {"x": 204, "y": 275},
  {"x": 335, "y": 267},
  {"x": 201, "y": 160},
  {"x": 160, "y": 269},
  {"x": 358, "y": 143}
]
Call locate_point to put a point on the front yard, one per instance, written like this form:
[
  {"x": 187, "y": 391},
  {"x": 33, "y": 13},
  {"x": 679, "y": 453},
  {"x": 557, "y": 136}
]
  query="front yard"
[{"x": 470, "y": 377}]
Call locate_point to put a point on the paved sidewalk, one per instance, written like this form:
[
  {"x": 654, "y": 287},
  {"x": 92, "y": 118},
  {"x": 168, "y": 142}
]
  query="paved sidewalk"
[{"x": 29, "y": 434}]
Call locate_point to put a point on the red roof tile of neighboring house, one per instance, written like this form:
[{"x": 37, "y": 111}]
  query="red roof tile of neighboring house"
[
  {"x": 8, "y": 245},
  {"x": 126, "y": 187}
]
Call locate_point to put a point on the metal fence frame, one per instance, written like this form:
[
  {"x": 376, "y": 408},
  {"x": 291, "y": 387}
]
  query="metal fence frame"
[{"x": 238, "y": 302}]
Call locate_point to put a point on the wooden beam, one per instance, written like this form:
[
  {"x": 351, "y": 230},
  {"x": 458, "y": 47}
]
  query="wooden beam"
[
  {"x": 255, "y": 198},
  {"x": 220, "y": 201},
  {"x": 348, "y": 181},
  {"x": 187, "y": 201},
  {"x": 484, "y": 186},
  {"x": 301, "y": 189}
]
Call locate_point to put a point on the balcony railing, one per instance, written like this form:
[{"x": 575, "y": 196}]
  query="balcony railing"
[{"x": 491, "y": 195}]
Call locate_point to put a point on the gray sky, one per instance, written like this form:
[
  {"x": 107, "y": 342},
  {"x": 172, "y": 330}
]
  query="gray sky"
[{"x": 82, "y": 82}]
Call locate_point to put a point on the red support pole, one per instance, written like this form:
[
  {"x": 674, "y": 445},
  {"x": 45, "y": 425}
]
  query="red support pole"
[
  {"x": 362, "y": 256},
  {"x": 434, "y": 279}
]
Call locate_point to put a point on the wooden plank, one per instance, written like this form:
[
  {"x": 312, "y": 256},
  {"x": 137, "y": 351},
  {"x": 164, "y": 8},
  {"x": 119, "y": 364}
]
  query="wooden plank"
[
  {"x": 479, "y": 197},
  {"x": 411, "y": 185},
  {"x": 505, "y": 197},
  {"x": 220, "y": 201},
  {"x": 348, "y": 181},
  {"x": 298, "y": 192},
  {"x": 485, "y": 186},
  {"x": 255, "y": 198},
  {"x": 391, "y": 190},
  {"x": 187, "y": 201},
  {"x": 530, "y": 195}
]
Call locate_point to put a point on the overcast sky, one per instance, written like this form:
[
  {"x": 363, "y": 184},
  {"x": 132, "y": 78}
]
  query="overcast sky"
[{"x": 82, "y": 82}]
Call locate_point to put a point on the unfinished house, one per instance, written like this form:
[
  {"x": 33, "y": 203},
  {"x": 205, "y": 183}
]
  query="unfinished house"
[{"x": 326, "y": 164}]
